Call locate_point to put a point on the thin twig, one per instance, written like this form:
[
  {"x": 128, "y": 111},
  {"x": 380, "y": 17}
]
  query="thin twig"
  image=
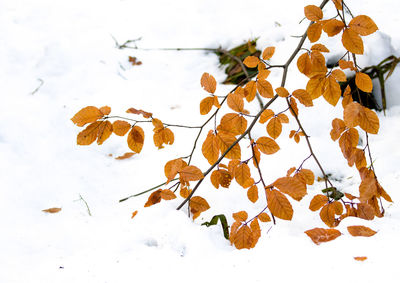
[
  {"x": 37, "y": 89},
  {"x": 87, "y": 206}
]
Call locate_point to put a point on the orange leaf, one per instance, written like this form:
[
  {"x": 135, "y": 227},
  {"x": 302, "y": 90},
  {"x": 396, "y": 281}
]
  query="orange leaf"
[
  {"x": 243, "y": 238},
  {"x": 206, "y": 104},
  {"x": 242, "y": 174},
  {"x": 139, "y": 112},
  {"x": 52, "y": 210},
  {"x": 134, "y": 214},
  {"x": 314, "y": 31},
  {"x": 266, "y": 115},
  {"x": 125, "y": 155},
  {"x": 292, "y": 187},
  {"x": 87, "y": 115},
  {"x": 163, "y": 136},
  {"x": 338, "y": 128},
  {"x": 363, "y": 25},
  {"x": 89, "y": 134},
  {"x": 105, "y": 110},
  {"x": 105, "y": 131},
  {"x": 317, "y": 202},
  {"x": 252, "y": 193},
  {"x": 250, "y": 91},
  {"x": 240, "y": 216},
  {"x": 274, "y": 128},
  {"x": 383, "y": 193},
  {"x": 263, "y": 74},
  {"x": 320, "y": 235},
  {"x": 360, "y": 231},
  {"x": 208, "y": 83},
  {"x": 136, "y": 139},
  {"x": 360, "y": 258},
  {"x": 167, "y": 194},
  {"x": 332, "y": 91},
  {"x": 318, "y": 64},
  {"x": 263, "y": 217},
  {"x": 304, "y": 64},
  {"x": 120, "y": 128},
  {"x": 338, "y": 4},
  {"x": 158, "y": 125},
  {"x": 233, "y": 123},
  {"x": 268, "y": 53},
  {"x": 293, "y": 107},
  {"x": 343, "y": 64},
  {"x": 369, "y": 121},
  {"x": 255, "y": 232},
  {"x": 282, "y": 92},
  {"x": 327, "y": 215},
  {"x": 313, "y": 13},
  {"x": 279, "y": 205},
  {"x": 315, "y": 86},
  {"x": 304, "y": 97},
  {"x": 265, "y": 89},
  {"x": 368, "y": 188},
  {"x": 224, "y": 142},
  {"x": 267, "y": 145},
  {"x": 283, "y": 118},
  {"x": 339, "y": 75},
  {"x": 319, "y": 47},
  {"x": 352, "y": 41},
  {"x": 364, "y": 82},
  {"x": 251, "y": 61},
  {"x": 333, "y": 27},
  {"x": 155, "y": 197},
  {"x": 191, "y": 173},
  {"x": 235, "y": 102},
  {"x": 172, "y": 168},
  {"x": 306, "y": 176},
  {"x": 210, "y": 148},
  {"x": 347, "y": 97},
  {"x": 198, "y": 205},
  {"x": 365, "y": 211},
  {"x": 351, "y": 114}
]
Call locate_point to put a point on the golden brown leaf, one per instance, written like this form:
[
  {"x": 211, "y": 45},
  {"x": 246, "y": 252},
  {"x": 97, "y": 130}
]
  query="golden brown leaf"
[
  {"x": 383, "y": 193},
  {"x": 172, "y": 168},
  {"x": 274, "y": 128},
  {"x": 255, "y": 232},
  {"x": 89, "y": 134},
  {"x": 315, "y": 86},
  {"x": 263, "y": 217},
  {"x": 314, "y": 32},
  {"x": 134, "y": 214},
  {"x": 242, "y": 174},
  {"x": 343, "y": 64},
  {"x": 139, "y": 112},
  {"x": 283, "y": 118},
  {"x": 206, "y": 104},
  {"x": 360, "y": 231},
  {"x": 339, "y": 75},
  {"x": 293, "y": 107},
  {"x": 338, "y": 4},
  {"x": 155, "y": 197},
  {"x": 360, "y": 258},
  {"x": 292, "y": 187},
  {"x": 251, "y": 61},
  {"x": 120, "y": 128},
  {"x": 136, "y": 139},
  {"x": 347, "y": 97},
  {"x": 332, "y": 91},
  {"x": 208, "y": 83},
  {"x": 243, "y": 238},
  {"x": 268, "y": 53},
  {"x": 158, "y": 125},
  {"x": 224, "y": 142},
  {"x": 190, "y": 173},
  {"x": 167, "y": 194},
  {"x": 327, "y": 215},
  {"x": 105, "y": 131},
  {"x": 267, "y": 145},
  {"x": 348, "y": 141},
  {"x": 318, "y": 64},
  {"x": 306, "y": 176},
  {"x": 364, "y": 82},
  {"x": 198, "y": 205},
  {"x": 351, "y": 114},
  {"x": 163, "y": 136},
  {"x": 319, "y": 47},
  {"x": 365, "y": 211},
  {"x": 210, "y": 148},
  {"x": 87, "y": 115},
  {"x": 368, "y": 189},
  {"x": 303, "y": 97},
  {"x": 313, "y": 13},
  {"x": 125, "y": 155},
  {"x": 240, "y": 216},
  {"x": 265, "y": 89},
  {"x": 279, "y": 205},
  {"x": 263, "y": 74},
  {"x": 282, "y": 92},
  {"x": 320, "y": 235},
  {"x": 333, "y": 27},
  {"x": 317, "y": 202},
  {"x": 266, "y": 115},
  {"x": 358, "y": 158},
  {"x": 52, "y": 210},
  {"x": 338, "y": 127},
  {"x": 252, "y": 193},
  {"x": 352, "y": 41},
  {"x": 105, "y": 110},
  {"x": 304, "y": 64},
  {"x": 363, "y": 25},
  {"x": 368, "y": 120},
  {"x": 235, "y": 102},
  {"x": 250, "y": 91}
]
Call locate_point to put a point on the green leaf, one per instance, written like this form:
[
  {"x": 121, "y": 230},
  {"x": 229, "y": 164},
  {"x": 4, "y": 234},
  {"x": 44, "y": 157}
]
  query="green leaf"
[{"x": 223, "y": 221}]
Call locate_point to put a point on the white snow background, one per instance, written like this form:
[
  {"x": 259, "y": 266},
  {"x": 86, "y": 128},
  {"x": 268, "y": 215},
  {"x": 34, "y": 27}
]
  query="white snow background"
[{"x": 68, "y": 46}]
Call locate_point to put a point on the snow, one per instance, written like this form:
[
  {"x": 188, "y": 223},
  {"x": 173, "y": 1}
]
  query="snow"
[{"x": 69, "y": 46}]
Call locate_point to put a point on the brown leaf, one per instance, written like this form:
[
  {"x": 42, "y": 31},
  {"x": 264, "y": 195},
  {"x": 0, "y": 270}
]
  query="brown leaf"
[
  {"x": 317, "y": 202},
  {"x": 319, "y": 47},
  {"x": 134, "y": 214},
  {"x": 314, "y": 31},
  {"x": 313, "y": 13},
  {"x": 333, "y": 27},
  {"x": 240, "y": 216},
  {"x": 163, "y": 136},
  {"x": 306, "y": 176},
  {"x": 250, "y": 91},
  {"x": 242, "y": 174},
  {"x": 125, "y": 155},
  {"x": 332, "y": 91},
  {"x": 139, "y": 112},
  {"x": 120, "y": 128},
  {"x": 343, "y": 64},
  {"x": 251, "y": 61},
  {"x": 233, "y": 123},
  {"x": 368, "y": 120},
  {"x": 304, "y": 64},
  {"x": 235, "y": 102},
  {"x": 315, "y": 87},
  {"x": 327, "y": 215},
  {"x": 351, "y": 114},
  {"x": 360, "y": 258},
  {"x": 360, "y": 231},
  {"x": 368, "y": 189},
  {"x": 352, "y": 41},
  {"x": 136, "y": 139},
  {"x": 104, "y": 132},
  {"x": 266, "y": 115},
  {"x": 318, "y": 64},
  {"x": 279, "y": 205},
  {"x": 338, "y": 127},
  {"x": 282, "y": 92},
  {"x": 265, "y": 89},
  {"x": 268, "y": 53},
  {"x": 89, "y": 134},
  {"x": 198, "y": 205},
  {"x": 172, "y": 168},
  {"x": 339, "y": 75},
  {"x": 274, "y": 127},
  {"x": 365, "y": 211},
  {"x": 263, "y": 217},
  {"x": 303, "y": 97},
  {"x": 267, "y": 145},
  {"x": 210, "y": 148},
  {"x": 292, "y": 187},
  {"x": 105, "y": 110},
  {"x": 363, "y": 25},
  {"x": 320, "y": 235},
  {"x": 243, "y": 238},
  {"x": 338, "y": 4},
  {"x": 191, "y": 173},
  {"x": 52, "y": 210},
  {"x": 364, "y": 82},
  {"x": 252, "y": 193},
  {"x": 167, "y": 194},
  {"x": 206, "y": 104},
  {"x": 208, "y": 83},
  {"x": 224, "y": 142},
  {"x": 155, "y": 197},
  {"x": 87, "y": 115},
  {"x": 255, "y": 232}
]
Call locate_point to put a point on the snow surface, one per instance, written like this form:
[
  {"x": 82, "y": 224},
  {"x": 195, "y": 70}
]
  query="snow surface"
[{"x": 68, "y": 46}]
